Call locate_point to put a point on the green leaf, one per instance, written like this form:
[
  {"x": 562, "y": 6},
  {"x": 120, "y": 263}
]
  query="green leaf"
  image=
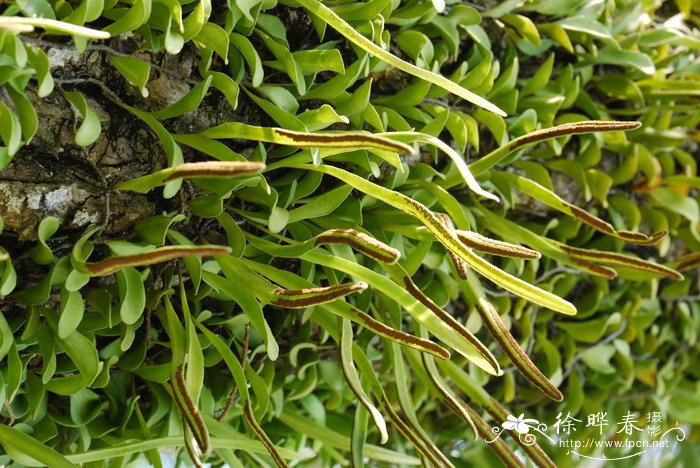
[
  {"x": 213, "y": 36},
  {"x": 16, "y": 440},
  {"x": 36, "y": 8},
  {"x": 72, "y": 308},
  {"x": 42, "y": 253},
  {"x": 137, "y": 15},
  {"x": 351, "y": 34},
  {"x": 626, "y": 58},
  {"x": 91, "y": 128},
  {"x": 10, "y": 132},
  {"x": 320, "y": 205},
  {"x": 135, "y": 70},
  {"x": 25, "y": 112},
  {"x": 187, "y": 103},
  {"x": 132, "y": 295}
]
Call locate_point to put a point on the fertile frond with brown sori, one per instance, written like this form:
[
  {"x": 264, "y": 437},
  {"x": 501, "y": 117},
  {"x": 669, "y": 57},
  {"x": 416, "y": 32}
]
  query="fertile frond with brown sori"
[
  {"x": 161, "y": 254},
  {"x": 622, "y": 261},
  {"x": 686, "y": 262},
  {"x": 303, "y": 298},
  {"x": 189, "y": 410},
  {"x": 361, "y": 242},
  {"x": 589, "y": 126},
  {"x": 515, "y": 353},
  {"x": 553, "y": 200},
  {"x": 403, "y": 338},
  {"x": 495, "y": 247},
  {"x": 424, "y": 447},
  {"x": 498, "y": 330},
  {"x": 448, "y": 239},
  {"x": 205, "y": 169}
]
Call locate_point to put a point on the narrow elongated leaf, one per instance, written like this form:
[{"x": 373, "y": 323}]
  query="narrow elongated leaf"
[
  {"x": 354, "y": 380},
  {"x": 498, "y": 155},
  {"x": 621, "y": 260},
  {"x": 281, "y": 136},
  {"x": 337, "y": 23},
  {"x": 208, "y": 169},
  {"x": 11, "y": 23},
  {"x": 31, "y": 447},
  {"x": 162, "y": 254}
]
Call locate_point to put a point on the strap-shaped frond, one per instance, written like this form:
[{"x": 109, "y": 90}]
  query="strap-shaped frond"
[{"x": 449, "y": 240}]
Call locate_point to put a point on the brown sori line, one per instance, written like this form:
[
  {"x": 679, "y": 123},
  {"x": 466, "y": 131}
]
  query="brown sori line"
[
  {"x": 601, "y": 270},
  {"x": 640, "y": 238},
  {"x": 688, "y": 261},
  {"x": 199, "y": 429},
  {"x": 388, "y": 255},
  {"x": 500, "y": 248},
  {"x": 447, "y": 318},
  {"x": 247, "y": 412},
  {"x": 406, "y": 431},
  {"x": 379, "y": 327},
  {"x": 505, "y": 454},
  {"x": 190, "y": 451},
  {"x": 214, "y": 168},
  {"x": 590, "y": 219},
  {"x": 321, "y": 295},
  {"x": 627, "y": 261},
  {"x": 569, "y": 129},
  {"x": 111, "y": 265},
  {"x": 460, "y": 265},
  {"x": 515, "y": 353},
  {"x": 500, "y": 414},
  {"x": 325, "y": 138},
  {"x": 427, "y": 214}
]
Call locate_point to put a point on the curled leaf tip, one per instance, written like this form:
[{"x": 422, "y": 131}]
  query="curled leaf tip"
[
  {"x": 302, "y": 298},
  {"x": 515, "y": 353},
  {"x": 361, "y": 242},
  {"x": 495, "y": 247},
  {"x": 621, "y": 260},
  {"x": 403, "y": 338},
  {"x": 189, "y": 409}
]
